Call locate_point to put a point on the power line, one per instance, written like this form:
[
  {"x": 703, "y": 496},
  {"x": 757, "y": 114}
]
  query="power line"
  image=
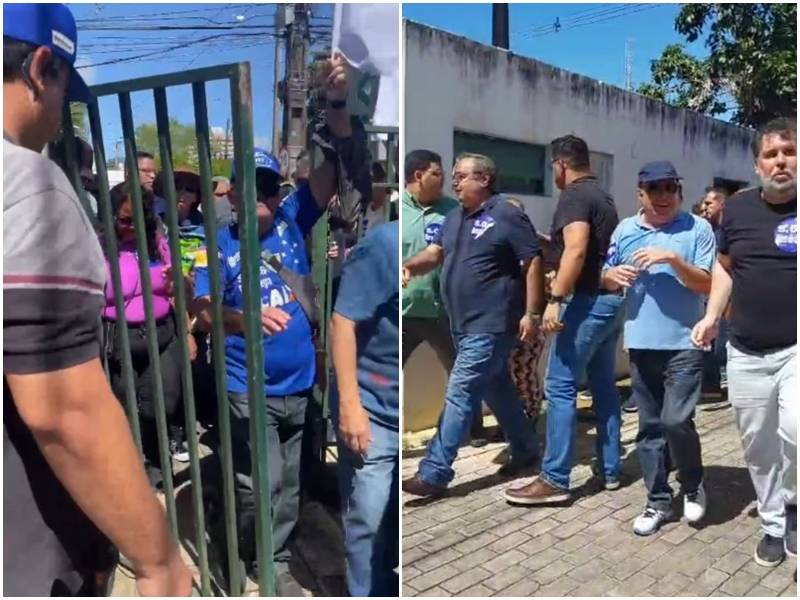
[
  {"x": 588, "y": 17},
  {"x": 600, "y": 20}
]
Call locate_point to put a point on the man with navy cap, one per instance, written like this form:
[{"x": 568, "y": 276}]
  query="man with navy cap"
[
  {"x": 662, "y": 258},
  {"x": 289, "y": 354},
  {"x": 72, "y": 478}
]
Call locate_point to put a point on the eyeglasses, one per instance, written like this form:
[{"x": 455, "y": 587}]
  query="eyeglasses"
[
  {"x": 669, "y": 188},
  {"x": 459, "y": 177}
]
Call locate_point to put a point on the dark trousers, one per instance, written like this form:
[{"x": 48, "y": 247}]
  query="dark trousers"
[
  {"x": 286, "y": 416},
  {"x": 143, "y": 372},
  {"x": 666, "y": 385}
]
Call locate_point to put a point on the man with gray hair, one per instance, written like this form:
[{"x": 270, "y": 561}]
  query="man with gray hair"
[
  {"x": 757, "y": 260},
  {"x": 492, "y": 286}
]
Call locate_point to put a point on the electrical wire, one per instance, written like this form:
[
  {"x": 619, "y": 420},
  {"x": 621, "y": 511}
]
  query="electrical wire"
[
  {"x": 599, "y": 20},
  {"x": 571, "y": 21}
]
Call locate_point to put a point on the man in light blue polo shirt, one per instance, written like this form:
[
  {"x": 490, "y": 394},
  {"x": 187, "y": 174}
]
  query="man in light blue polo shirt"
[{"x": 662, "y": 257}]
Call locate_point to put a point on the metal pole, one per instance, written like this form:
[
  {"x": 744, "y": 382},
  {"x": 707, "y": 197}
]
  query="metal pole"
[
  {"x": 277, "y": 116},
  {"x": 500, "y": 25}
]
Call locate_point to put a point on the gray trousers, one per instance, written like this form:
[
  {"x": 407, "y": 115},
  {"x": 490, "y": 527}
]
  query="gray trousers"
[
  {"x": 286, "y": 417},
  {"x": 762, "y": 389}
]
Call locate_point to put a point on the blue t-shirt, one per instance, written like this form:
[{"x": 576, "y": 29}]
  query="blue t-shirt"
[
  {"x": 482, "y": 285},
  {"x": 368, "y": 294},
  {"x": 661, "y": 310},
  {"x": 289, "y": 365}
]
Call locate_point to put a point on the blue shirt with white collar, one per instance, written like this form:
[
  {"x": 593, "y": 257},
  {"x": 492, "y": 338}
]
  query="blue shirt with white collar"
[
  {"x": 289, "y": 365},
  {"x": 660, "y": 309},
  {"x": 482, "y": 285}
]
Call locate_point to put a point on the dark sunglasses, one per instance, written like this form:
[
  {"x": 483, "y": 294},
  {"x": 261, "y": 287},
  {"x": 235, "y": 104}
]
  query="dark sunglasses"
[{"x": 670, "y": 187}]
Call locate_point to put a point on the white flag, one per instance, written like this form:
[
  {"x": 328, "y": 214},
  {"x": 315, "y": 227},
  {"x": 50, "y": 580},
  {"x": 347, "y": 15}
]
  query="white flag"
[{"x": 368, "y": 36}]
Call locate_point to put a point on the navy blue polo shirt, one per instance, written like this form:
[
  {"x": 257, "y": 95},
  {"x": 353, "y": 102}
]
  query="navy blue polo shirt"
[{"x": 482, "y": 285}]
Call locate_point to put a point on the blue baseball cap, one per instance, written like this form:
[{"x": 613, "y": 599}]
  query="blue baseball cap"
[
  {"x": 264, "y": 160},
  {"x": 50, "y": 25},
  {"x": 658, "y": 170}
]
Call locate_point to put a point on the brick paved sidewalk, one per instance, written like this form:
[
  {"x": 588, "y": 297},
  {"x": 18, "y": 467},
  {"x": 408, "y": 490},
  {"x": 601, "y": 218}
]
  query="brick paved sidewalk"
[{"x": 473, "y": 543}]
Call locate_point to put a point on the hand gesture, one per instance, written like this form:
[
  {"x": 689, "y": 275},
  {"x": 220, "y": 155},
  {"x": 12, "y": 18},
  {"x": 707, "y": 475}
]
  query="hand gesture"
[
  {"x": 527, "y": 328},
  {"x": 274, "y": 320},
  {"x": 333, "y": 251},
  {"x": 335, "y": 72},
  {"x": 551, "y": 322},
  {"x": 622, "y": 275},
  {"x": 354, "y": 428},
  {"x": 646, "y": 257},
  {"x": 406, "y": 276},
  {"x": 704, "y": 333}
]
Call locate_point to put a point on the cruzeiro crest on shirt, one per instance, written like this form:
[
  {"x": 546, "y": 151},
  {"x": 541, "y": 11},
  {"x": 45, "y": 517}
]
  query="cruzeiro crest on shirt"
[
  {"x": 482, "y": 224},
  {"x": 786, "y": 235}
]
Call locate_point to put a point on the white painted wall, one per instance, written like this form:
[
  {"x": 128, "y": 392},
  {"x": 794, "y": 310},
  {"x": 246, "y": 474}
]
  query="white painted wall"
[{"x": 454, "y": 83}]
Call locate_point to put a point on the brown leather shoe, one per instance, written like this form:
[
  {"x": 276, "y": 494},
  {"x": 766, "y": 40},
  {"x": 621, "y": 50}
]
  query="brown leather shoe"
[
  {"x": 536, "y": 492},
  {"x": 419, "y": 487}
]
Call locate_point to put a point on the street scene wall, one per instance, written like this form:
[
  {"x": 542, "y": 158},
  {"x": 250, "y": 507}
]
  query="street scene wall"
[{"x": 454, "y": 84}]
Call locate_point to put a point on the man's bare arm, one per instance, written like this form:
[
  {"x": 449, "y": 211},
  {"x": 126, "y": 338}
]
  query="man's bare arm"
[
  {"x": 425, "y": 260},
  {"x": 232, "y": 319},
  {"x": 83, "y": 435},
  {"x": 576, "y": 240},
  {"x": 696, "y": 279},
  {"x": 534, "y": 285},
  {"x": 721, "y": 287}
]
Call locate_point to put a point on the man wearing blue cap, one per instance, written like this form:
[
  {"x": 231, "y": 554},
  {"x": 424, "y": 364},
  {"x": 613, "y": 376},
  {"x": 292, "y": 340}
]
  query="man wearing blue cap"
[
  {"x": 72, "y": 478},
  {"x": 662, "y": 258},
  {"x": 289, "y": 354}
]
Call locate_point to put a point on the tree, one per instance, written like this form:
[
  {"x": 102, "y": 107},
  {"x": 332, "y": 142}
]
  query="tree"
[
  {"x": 751, "y": 68},
  {"x": 184, "y": 146},
  {"x": 79, "y": 119}
]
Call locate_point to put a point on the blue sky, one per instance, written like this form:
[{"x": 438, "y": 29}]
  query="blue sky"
[
  {"x": 102, "y": 46},
  {"x": 596, "y": 48}
]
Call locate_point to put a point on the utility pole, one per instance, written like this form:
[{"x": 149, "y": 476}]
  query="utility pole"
[
  {"x": 629, "y": 64},
  {"x": 500, "y": 25},
  {"x": 277, "y": 116},
  {"x": 295, "y": 115},
  {"x": 227, "y": 153}
]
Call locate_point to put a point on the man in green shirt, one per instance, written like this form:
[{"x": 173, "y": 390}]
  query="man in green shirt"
[{"x": 423, "y": 211}]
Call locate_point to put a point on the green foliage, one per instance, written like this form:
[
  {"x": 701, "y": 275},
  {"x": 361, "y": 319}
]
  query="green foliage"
[
  {"x": 182, "y": 137},
  {"x": 751, "y": 68},
  {"x": 80, "y": 119}
]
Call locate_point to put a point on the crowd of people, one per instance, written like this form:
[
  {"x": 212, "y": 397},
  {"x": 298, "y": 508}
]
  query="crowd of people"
[
  {"x": 76, "y": 494},
  {"x": 685, "y": 291}
]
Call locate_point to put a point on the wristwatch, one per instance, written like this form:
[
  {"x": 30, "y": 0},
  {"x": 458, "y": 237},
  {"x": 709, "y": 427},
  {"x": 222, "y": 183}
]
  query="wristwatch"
[
  {"x": 533, "y": 315},
  {"x": 556, "y": 299}
]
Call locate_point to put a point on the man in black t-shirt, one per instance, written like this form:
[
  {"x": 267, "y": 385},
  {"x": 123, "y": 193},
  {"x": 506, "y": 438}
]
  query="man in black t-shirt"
[
  {"x": 756, "y": 269},
  {"x": 587, "y": 322}
]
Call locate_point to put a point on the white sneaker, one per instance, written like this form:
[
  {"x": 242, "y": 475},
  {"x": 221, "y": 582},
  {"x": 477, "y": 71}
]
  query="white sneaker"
[
  {"x": 650, "y": 521},
  {"x": 694, "y": 504}
]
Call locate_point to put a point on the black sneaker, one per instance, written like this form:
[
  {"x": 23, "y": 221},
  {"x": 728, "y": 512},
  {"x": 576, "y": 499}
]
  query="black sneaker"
[
  {"x": 769, "y": 551},
  {"x": 790, "y": 537}
]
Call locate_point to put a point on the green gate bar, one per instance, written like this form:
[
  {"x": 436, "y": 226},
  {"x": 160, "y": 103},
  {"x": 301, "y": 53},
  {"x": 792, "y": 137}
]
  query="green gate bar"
[
  {"x": 112, "y": 252},
  {"x": 242, "y": 116},
  {"x": 128, "y": 135},
  {"x": 190, "y": 413}
]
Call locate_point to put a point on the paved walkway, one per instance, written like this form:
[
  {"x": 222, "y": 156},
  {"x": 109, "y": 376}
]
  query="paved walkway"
[{"x": 473, "y": 543}]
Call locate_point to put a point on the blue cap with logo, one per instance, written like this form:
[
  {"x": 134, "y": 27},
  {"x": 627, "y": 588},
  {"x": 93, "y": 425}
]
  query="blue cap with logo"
[
  {"x": 264, "y": 160},
  {"x": 658, "y": 170},
  {"x": 50, "y": 25}
]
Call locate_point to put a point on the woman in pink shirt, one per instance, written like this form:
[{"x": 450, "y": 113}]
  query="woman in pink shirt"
[{"x": 166, "y": 330}]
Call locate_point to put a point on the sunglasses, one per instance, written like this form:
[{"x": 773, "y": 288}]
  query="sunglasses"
[{"x": 669, "y": 188}]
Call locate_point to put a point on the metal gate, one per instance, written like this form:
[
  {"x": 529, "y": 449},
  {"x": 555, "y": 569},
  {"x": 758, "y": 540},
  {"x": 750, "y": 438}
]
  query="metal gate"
[{"x": 238, "y": 76}]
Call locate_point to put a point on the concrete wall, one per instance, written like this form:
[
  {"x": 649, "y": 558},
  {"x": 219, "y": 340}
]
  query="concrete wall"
[{"x": 456, "y": 84}]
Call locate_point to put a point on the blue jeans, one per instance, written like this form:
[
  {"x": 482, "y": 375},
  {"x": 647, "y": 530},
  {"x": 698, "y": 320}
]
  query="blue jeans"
[
  {"x": 667, "y": 385},
  {"x": 480, "y": 373},
  {"x": 369, "y": 489},
  {"x": 587, "y": 345}
]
